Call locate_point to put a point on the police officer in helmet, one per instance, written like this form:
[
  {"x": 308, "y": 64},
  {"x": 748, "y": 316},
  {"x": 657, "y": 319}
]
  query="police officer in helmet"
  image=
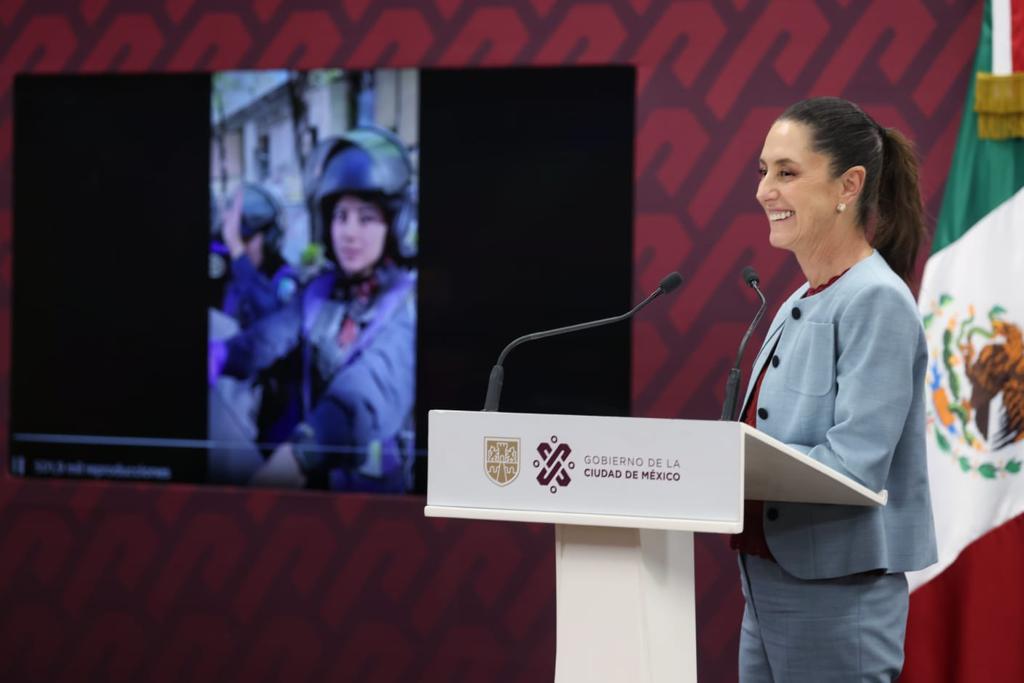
[
  {"x": 261, "y": 281},
  {"x": 355, "y": 324}
]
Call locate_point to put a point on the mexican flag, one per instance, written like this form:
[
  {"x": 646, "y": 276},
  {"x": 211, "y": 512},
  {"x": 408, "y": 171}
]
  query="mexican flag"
[{"x": 967, "y": 612}]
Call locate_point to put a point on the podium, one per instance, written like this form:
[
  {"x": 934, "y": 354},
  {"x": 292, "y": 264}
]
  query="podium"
[{"x": 625, "y": 496}]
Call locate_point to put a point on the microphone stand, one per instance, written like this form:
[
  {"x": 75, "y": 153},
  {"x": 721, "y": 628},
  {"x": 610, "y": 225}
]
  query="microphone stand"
[
  {"x": 497, "y": 378},
  {"x": 732, "y": 385}
]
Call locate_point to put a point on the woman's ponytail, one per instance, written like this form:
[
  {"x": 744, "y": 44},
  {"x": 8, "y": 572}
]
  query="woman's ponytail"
[{"x": 899, "y": 230}]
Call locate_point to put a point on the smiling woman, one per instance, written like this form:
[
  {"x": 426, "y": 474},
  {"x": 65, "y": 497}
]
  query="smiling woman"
[
  {"x": 842, "y": 380},
  {"x": 801, "y": 197},
  {"x": 818, "y": 159},
  {"x": 358, "y": 233}
]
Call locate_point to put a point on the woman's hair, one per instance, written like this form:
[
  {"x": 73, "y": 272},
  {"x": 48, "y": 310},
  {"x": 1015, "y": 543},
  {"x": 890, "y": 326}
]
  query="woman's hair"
[{"x": 843, "y": 132}]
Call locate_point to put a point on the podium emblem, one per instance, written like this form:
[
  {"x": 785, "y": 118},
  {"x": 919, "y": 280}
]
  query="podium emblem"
[
  {"x": 554, "y": 464},
  {"x": 501, "y": 459}
]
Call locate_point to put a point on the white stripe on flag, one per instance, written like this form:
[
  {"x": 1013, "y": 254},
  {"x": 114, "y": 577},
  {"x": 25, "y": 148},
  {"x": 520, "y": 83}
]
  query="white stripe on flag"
[
  {"x": 982, "y": 269},
  {"x": 1002, "y": 53}
]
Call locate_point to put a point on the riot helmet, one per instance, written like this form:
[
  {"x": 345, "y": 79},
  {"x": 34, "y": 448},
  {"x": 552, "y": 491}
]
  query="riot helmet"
[
  {"x": 261, "y": 214},
  {"x": 370, "y": 163}
]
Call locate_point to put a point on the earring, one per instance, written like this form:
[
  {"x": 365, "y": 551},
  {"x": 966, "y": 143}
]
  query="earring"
[{"x": 840, "y": 207}]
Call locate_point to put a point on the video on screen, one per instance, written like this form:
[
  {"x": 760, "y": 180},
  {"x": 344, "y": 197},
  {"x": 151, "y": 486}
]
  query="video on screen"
[
  {"x": 219, "y": 278},
  {"x": 296, "y": 290},
  {"x": 312, "y": 318}
]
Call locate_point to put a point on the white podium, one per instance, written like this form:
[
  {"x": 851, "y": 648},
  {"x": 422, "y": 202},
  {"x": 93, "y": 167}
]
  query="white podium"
[{"x": 626, "y": 495}]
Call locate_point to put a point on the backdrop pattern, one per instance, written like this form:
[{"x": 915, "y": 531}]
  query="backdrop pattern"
[{"x": 138, "y": 583}]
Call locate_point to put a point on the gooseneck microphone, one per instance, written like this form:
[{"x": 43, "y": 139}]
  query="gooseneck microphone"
[
  {"x": 733, "y": 384},
  {"x": 497, "y": 379}
]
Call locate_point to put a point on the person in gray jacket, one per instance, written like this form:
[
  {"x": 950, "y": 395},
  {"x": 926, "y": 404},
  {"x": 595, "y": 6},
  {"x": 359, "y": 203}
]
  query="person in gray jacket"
[
  {"x": 841, "y": 378},
  {"x": 354, "y": 327}
]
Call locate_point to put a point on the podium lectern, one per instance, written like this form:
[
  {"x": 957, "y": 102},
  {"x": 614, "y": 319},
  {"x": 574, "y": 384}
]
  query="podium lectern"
[{"x": 625, "y": 496}]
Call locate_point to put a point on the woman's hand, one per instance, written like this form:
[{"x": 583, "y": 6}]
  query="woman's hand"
[{"x": 280, "y": 469}]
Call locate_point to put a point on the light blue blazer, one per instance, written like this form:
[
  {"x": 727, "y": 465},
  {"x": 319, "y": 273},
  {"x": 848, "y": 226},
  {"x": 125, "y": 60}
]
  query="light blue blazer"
[{"x": 848, "y": 390}]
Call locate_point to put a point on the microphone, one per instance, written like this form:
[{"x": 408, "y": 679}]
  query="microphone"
[
  {"x": 733, "y": 384},
  {"x": 497, "y": 378}
]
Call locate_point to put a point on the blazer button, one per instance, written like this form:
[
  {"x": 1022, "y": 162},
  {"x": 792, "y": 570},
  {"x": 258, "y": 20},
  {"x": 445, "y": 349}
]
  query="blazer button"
[
  {"x": 773, "y": 514},
  {"x": 796, "y": 313},
  {"x": 775, "y": 361},
  {"x": 762, "y": 413}
]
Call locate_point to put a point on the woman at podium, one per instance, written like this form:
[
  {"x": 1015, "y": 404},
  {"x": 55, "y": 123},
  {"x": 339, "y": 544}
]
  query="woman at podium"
[{"x": 840, "y": 377}]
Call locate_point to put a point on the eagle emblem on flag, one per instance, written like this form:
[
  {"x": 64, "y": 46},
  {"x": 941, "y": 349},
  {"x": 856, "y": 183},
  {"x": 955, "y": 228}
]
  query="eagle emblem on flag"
[{"x": 976, "y": 386}]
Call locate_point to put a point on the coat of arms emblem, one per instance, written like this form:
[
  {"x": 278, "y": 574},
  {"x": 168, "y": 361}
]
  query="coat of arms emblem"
[
  {"x": 976, "y": 386},
  {"x": 501, "y": 459}
]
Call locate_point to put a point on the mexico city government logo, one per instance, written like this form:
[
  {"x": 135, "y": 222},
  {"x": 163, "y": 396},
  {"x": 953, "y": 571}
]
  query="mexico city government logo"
[
  {"x": 554, "y": 464},
  {"x": 501, "y": 459}
]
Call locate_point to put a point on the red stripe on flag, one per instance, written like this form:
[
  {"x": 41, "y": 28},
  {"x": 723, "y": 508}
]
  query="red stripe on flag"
[
  {"x": 1017, "y": 34},
  {"x": 967, "y": 624}
]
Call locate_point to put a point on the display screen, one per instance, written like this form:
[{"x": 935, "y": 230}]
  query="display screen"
[{"x": 221, "y": 278}]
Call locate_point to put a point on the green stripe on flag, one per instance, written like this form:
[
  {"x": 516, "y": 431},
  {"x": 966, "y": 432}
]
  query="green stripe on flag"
[{"x": 984, "y": 173}]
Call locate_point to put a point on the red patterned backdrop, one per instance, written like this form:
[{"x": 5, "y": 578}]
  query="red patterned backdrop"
[{"x": 131, "y": 583}]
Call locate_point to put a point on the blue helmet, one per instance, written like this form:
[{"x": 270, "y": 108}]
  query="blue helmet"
[
  {"x": 371, "y": 163},
  {"x": 261, "y": 214}
]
